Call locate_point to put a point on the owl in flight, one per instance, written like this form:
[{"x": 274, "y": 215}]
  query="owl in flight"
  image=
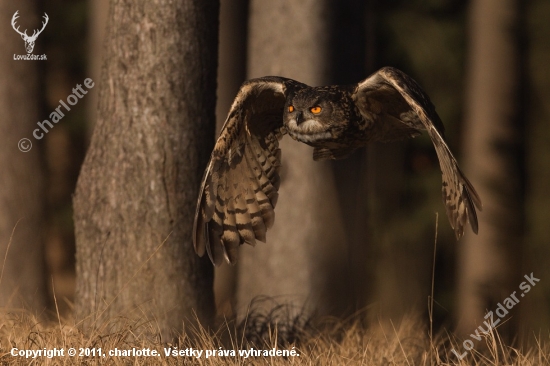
[{"x": 240, "y": 185}]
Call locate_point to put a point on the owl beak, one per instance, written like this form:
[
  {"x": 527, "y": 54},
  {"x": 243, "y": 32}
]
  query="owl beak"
[{"x": 299, "y": 118}]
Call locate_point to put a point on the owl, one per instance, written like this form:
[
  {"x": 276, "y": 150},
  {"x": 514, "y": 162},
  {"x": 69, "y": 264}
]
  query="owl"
[{"x": 239, "y": 189}]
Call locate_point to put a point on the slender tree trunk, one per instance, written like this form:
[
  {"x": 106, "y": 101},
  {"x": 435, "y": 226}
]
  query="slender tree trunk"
[
  {"x": 99, "y": 11},
  {"x": 22, "y": 276},
  {"x": 395, "y": 283},
  {"x": 304, "y": 260},
  {"x": 535, "y": 316},
  {"x": 352, "y": 21},
  {"x": 493, "y": 153},
  {"x": 136, "y": 195},
  {"x": 231, "y": 74}
]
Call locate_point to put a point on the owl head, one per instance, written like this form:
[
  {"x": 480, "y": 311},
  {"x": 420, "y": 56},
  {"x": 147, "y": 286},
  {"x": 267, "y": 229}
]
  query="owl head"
[{"x": 317, "y": 115}]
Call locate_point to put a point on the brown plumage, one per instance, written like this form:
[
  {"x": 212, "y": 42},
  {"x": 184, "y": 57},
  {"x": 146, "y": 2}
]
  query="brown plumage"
[{"x": 240, "y": 185}]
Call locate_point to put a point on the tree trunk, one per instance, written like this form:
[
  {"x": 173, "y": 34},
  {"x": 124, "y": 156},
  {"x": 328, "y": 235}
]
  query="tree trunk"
[
  {"x": 535, "y": 317},
  {"x": 137, "y": 191},
  {"x": 21, "y": 195},
  {"x": 493, "y": 153},
  {"x": 351, "y": 60},
  {"x": 304, "y": 260},
  {"x": 99, "y": 11},
  {"x": 231, "y": 74}
]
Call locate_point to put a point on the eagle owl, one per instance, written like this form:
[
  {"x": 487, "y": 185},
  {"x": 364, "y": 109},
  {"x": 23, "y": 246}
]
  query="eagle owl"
[{"x": 240, "y": 185}]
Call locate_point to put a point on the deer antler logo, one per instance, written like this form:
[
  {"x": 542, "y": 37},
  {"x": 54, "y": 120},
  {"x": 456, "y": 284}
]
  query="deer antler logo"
[{"x": 29, "y": 41}]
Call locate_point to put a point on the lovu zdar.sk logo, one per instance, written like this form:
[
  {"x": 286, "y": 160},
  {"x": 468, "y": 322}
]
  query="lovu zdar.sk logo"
[{"x": 29, "y": 40}]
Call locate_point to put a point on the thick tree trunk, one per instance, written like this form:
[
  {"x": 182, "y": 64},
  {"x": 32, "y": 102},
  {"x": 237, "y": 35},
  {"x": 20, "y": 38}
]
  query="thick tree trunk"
[
  {"x": 136, "y": 195},
  {"x": 22, "y": 277},
  {"x": 489, "y": 262},
  {"x": 304, "y": 260}
]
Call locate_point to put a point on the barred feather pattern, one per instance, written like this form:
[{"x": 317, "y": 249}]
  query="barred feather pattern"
[
  {"x": 459, "y": 196},
  {"x": 239, "y": 189},
  {"x": 240, "y": 186}
]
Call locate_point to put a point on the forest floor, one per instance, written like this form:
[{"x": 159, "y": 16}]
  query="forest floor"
[{"x": 24, "y": 340}]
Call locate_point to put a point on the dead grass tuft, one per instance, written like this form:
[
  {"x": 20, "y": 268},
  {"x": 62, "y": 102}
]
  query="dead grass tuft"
[{"x": 332, "y": 343}]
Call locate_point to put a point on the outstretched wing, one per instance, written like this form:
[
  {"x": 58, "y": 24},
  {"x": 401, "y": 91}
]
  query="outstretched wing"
[
  {"x": 240, "y": 185},
  {"x": 399, "y": 108}
]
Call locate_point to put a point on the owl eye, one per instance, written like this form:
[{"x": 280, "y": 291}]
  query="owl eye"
[
  {"x": 316, "y": 109},
  {"x": 291, "y": 108}
]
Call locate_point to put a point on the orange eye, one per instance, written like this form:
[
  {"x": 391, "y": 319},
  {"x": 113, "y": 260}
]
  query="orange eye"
[
  {"x": 316, "y": 109},
  {"x": 291, "y": 108}
]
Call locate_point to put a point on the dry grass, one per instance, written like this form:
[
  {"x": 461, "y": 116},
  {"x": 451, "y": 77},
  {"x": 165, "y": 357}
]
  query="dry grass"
[{"x": 332, "y": 343}]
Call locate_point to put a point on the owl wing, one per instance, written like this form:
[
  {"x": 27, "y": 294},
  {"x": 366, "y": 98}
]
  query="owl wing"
[
  {"x": 399, "y": 109},
  {"x": 240, "y": 185}
]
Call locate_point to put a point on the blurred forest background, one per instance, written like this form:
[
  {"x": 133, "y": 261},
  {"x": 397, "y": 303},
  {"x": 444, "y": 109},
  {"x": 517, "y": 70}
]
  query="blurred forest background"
[{"x": 353, "y": 235}]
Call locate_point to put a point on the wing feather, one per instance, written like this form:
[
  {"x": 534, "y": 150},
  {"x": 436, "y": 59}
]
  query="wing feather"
[
  {"x": 239, "y": 189},
  {"x": 404, "y": 101},
  {"x": 240, "y": 186}
]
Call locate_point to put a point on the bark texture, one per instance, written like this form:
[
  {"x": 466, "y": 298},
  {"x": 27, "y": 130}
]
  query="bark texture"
[
  {"x": 136, "y": 195},
  {"x": 22, "y": 278}
]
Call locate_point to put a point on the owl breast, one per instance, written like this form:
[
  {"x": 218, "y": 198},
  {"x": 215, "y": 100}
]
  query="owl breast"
[{"x": 309, "y": 131}]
